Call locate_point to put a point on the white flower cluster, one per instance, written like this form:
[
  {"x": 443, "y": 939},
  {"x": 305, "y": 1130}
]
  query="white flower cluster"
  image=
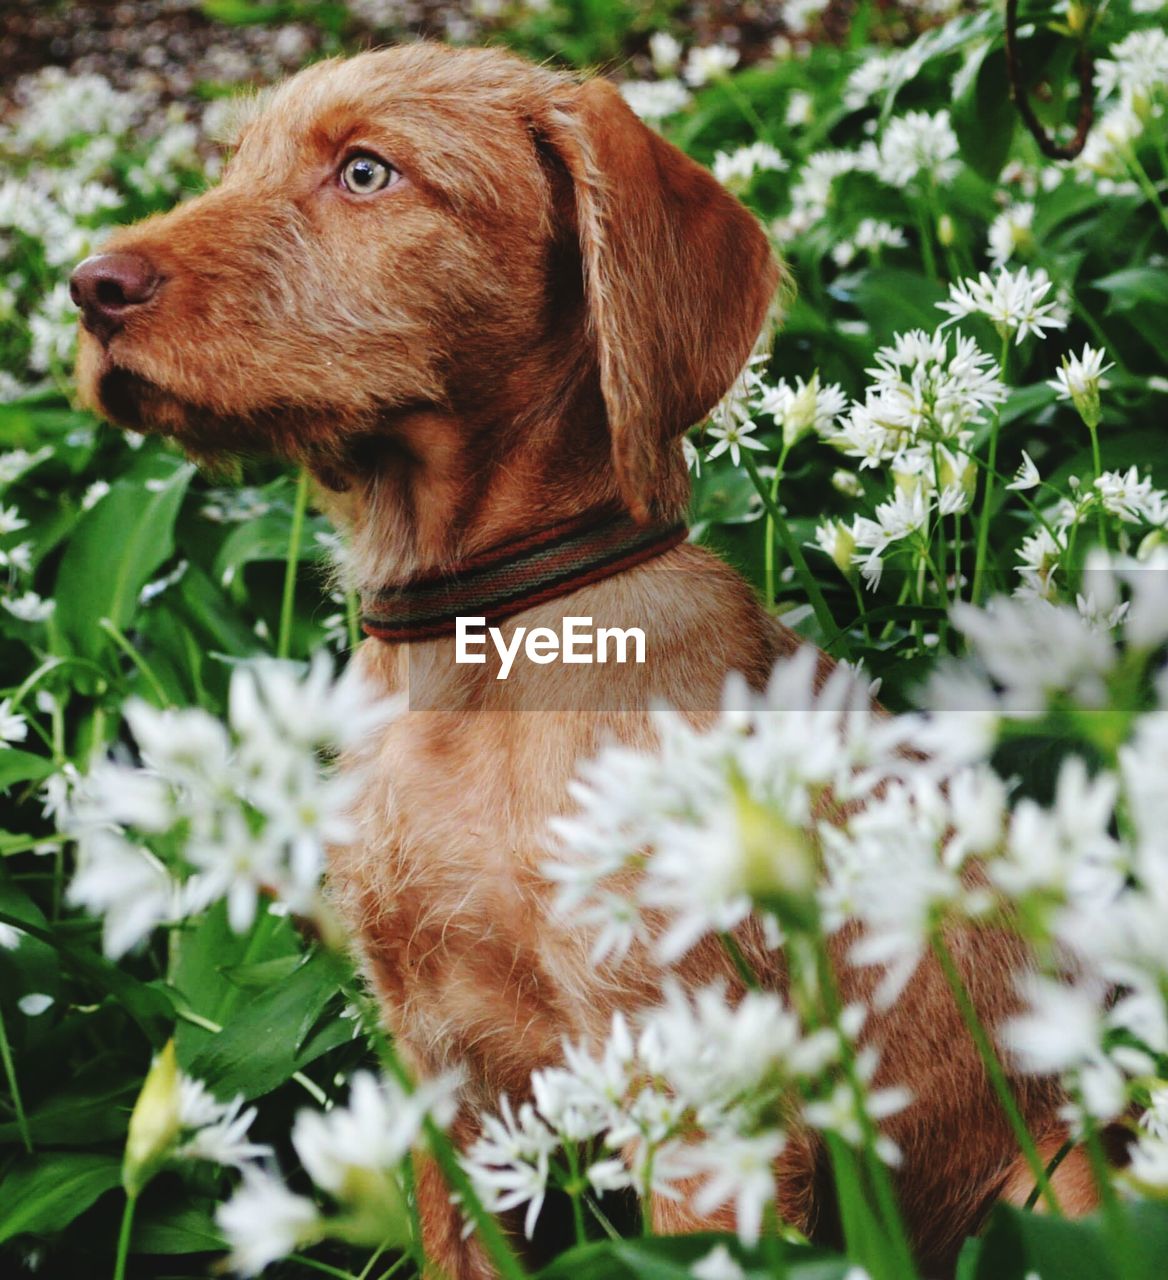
[
  {"x": 354, "y": 1155},
  {"x": 691, "y": 1098},
  {"x": 808, "y": 802},
  {"x": 714, "y": 818},
  {"x": 248, "y": 805},
  {"x": 60, "y": 192}
]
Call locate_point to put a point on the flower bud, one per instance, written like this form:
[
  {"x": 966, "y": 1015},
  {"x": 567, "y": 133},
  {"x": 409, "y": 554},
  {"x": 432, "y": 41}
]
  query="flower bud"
[
  {"x": 946, "y": 231},
  {"x": 779, "y": 863},
  {"x": 154, "y": 1123}
]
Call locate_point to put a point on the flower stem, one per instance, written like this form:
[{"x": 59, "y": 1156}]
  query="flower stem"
[
  {"x": 118, "y": 637},
  {"x": 1146, "y": 185},
  {"x": 124, "y": 1233},
  {"x": 1097, "y": 462},
  {"x": 768, "y": 550},
  {"x": 983, "y": 526},
  {"x": 14, "y": 1086},
  {"x": 291, "y": 565},
  {"x": 993, "y": 1069},
  {"x": 834, "y": 639}
]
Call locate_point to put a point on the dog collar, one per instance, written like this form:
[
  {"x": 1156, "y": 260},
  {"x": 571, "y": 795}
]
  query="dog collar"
[{"x": 512, "y": 576}]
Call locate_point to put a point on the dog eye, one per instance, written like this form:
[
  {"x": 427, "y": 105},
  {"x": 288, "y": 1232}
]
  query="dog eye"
[{"x": 365, "y": 174}]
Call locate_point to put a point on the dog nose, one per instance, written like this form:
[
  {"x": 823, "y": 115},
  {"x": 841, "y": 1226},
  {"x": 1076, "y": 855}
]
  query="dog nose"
[{"x": 108, "y": 286}]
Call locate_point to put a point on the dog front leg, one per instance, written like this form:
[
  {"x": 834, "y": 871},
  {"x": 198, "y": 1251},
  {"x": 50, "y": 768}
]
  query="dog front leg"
[{"x": 449, "y": 1256}]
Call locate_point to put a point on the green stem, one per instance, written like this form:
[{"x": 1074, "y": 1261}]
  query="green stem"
[
  {"x": 1098, "y": 465},
  {"x": 322, "y": 1267},
  {"x": 124, "y": 1237},
  {"x": 993, "y": 1069},
  {"x": 835, "y": 641},
  {"x": 14, "y": 1086},
  {"x": 983, "y": 527},
  {"x": 925, "y": 235},
  {"x": 746, "y": 107},
  {"x": 575, "y": 1190},
  {"x": 1145, "y": 183},
  {"x": 740, "y": 962},
  {"x": 116, "y": 635},
  {"x": 768, "y": 550},
  {"x": 353, "y": 618},
  {"x": 291, "y": 565}
]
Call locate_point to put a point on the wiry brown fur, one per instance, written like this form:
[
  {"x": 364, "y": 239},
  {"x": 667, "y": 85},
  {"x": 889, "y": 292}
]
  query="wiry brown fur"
[{"x": 516, "y": 332}]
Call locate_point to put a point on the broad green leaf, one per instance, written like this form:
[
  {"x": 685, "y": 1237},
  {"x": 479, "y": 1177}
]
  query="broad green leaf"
[
  {"x": 259, "y": 1049},
  {"x": 1134, "y": 285},
  {"x": 1017, "y": 1245},
  {"x": 72, "y": 1117},
  {"x": 177, "y": 1230},
  {"x": 115, "y": 549},
  {"x": 22, "y": 766},
  {"x": 45, "y": 1193},
  {"x": 672, "y": 1258}
]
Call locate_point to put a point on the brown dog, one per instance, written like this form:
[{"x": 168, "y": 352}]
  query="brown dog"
[{"x": 479, "y": 298}]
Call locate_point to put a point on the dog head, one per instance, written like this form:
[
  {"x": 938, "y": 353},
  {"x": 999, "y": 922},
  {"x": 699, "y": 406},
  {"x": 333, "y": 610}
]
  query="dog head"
[{"x": 426, "y": 229}]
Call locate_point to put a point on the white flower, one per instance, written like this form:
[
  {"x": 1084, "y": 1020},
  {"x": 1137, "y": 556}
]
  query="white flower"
[
  {"x": 11, "y": 520},
  {"x": 1010, "y": 233},
  {"x": 798, "y": 15},
  {"x": 709, "y": 62},
  {"x": 13, "y": 726},
  {"x": 1132, "y": 497},
  {"x": 738, "y": 1169},
  {"x": 655, "y": 100},
  {"x": 800, "y": 110},
  {"x": 377, "y": 1128},
  {"x": 220, "y": 1135},
  {"x": 1062, "y": 1034},
  {"x": 509, "y": 1163},
  {"x": 1012, "y": 301},
  {"x": 34, "y": 1004},
  {"x": 732, "y": 436},
  {"x": 127, "y": 885},
  {"x": 871, "y": 77},
  {"x": 736, "y": 169},
  {"x": 914, "y": 145},
  {"x": 1137, "y": 68},
  {"x": 665, "y": 52},
  {"x": 10, "y": 937},
  {"x": 1080, "y": 380},
  {"x": 1027, "y": 476},
  {"x": 94, "y": 494},
  {"x": 264, "y": 1221},
  {"x": 717, "y": 1265},
  {"x": 29, "y": 607},
  {"x": 805, "y": 407}
]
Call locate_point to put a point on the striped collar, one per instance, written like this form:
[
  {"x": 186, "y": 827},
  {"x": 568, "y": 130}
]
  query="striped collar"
[{"x": 512, "y": 576}]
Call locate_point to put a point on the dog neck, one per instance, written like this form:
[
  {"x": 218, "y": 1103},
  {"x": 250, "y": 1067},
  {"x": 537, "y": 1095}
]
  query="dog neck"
[
  {"x": 436, "y": 490},
  {"x": 546, "y": 564}
]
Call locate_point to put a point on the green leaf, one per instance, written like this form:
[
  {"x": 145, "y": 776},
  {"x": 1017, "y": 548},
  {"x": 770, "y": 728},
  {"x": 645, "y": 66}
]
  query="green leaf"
[
  {"x": 22, "y": 766},
  {"x": 98, "y": 1117},
  {"x": 115, "y": 549},
  {"x": 176, "y": 1230},
  {"x": 1133, "y": 286},
  {"x": 672, "y": 1258},
  {"x": 259, "y": 1049},
  {"x": 894, "y": 300},
  {"x": 983, "y": 114},
  {"x": 45, "y": 1194},
  {"x": 1017, "y": 1245}
]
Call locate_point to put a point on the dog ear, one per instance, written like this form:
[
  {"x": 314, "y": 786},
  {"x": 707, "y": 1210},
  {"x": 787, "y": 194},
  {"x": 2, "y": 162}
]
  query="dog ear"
[{"x": 678, "y": 278}]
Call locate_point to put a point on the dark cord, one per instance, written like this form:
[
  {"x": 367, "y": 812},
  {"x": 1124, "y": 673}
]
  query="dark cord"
[{"x": 1018, "y": 91}]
